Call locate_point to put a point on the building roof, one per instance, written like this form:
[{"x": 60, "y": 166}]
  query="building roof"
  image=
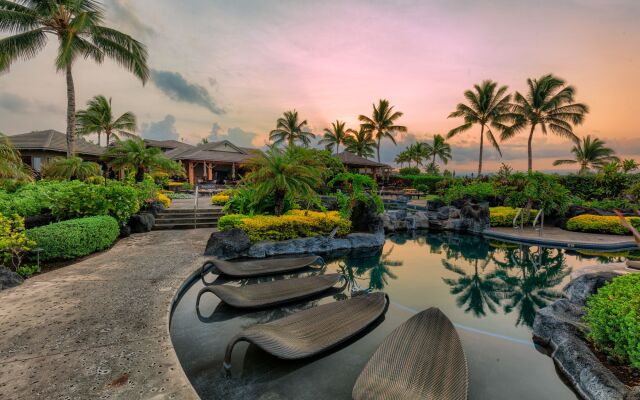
[
  {"x": 353, "y": 160},
  {"x": 222, "y": 151},
  {"x": 166, "y": 144},
  {"x": 52, "y": 140}
]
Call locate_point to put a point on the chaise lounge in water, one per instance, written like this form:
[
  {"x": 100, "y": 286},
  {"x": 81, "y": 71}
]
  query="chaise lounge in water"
[
  {"x": 421, "y": 359},
  {"x": 313, "y": 331},
  {"x": 260, "y": 267},
  {"x": 273, "y": 293}
]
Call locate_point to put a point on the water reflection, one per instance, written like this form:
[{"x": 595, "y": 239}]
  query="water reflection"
[{"x": 377, "y": 269}]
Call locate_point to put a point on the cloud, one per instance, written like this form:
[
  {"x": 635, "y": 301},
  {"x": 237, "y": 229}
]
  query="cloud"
[
  {"x": 237, "y": 136},
  {"x": 161, "y": 130},
  {"x": 18, "y": 104},
  {"x": 178, "y": 88},
  {"x": 122, "y": 14}
]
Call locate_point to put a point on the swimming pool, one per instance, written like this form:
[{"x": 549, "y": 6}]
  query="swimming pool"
[{"x": 489, "y": 289}]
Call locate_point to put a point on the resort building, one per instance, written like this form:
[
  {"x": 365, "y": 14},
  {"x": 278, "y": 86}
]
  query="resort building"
[{"x": 363, "y": 165}]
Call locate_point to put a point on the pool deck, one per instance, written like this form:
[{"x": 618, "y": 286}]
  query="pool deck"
[
  {"x": 556, "y": 237},
  {"x": 100, "y": 328}
]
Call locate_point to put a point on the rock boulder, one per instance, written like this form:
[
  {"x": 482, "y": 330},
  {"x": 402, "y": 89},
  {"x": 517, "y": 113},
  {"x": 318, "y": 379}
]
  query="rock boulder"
[
  {"x": 9, "y": 279},
  {"x": 142, "y": 222},
  {"x": 228, "y": 244}
]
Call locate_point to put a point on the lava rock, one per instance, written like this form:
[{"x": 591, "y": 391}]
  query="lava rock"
[
  {"x": 155, "y": 208},
  {"x": 434, "y": 205},
  {"x": 125, "y": 231},
  {"x": 579, "y": 289},
  {"x": 475, "y": 217},
  {"x": 142, "y": 222},
  {"x": 231, "y": 243},
  {"x": 9, "y": 279},
  {"x": 364, "y": 216}
]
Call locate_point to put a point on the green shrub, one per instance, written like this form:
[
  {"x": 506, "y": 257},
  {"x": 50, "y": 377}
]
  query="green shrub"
[
  {"x": 480, "y": 191},
  {"x": 294, "y": 224},
  {"x": 431, "y": 181},
  {"x": 537, "y": 190},
  {"x": 503, "y": 216},
  {"x": 613, "y": 318},
  {"x": 75, "y": 238},
  {"x": 611, "y": 204},
  {"x": 601, "y": 224},
  {"x": 410, "y": 171}
]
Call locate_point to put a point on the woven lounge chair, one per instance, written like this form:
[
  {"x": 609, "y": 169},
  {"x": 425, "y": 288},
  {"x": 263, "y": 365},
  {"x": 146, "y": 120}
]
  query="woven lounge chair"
[
  {"x": 421, "y": 359},
  {"x": 261, "y": 267},
  {"x": 313, "y": 331},
  {"x": 272, "y": 293}
]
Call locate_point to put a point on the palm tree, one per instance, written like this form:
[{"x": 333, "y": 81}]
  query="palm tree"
[
  {"x": 488, "y": 108},
  {"x": 402, "y": 157},
  {"x": 418, "y": 152},
  {"x": 360, "y": 143},
  {"x": 382, "y": 122},
  {"x": 77, "y": 26},
  {"x": 283, "y": 174},
  {"x": 549, "y": 103},
  {"x": 335, "y": 136},
  {"x": 70, "y": 168},
  {"x": 11, "y": 165},
  {"x": 289, "y": 130},
  {"x": 133, "y": 154},
  {"x": 590, "y": 153},
  {"x": 98, "y": 118},
  {"x": 629, "y": 165},
  {"x": 439, "y": 148}
]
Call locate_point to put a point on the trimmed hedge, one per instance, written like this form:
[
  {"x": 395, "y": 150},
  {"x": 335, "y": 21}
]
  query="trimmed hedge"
[
  {"x": 294, "y": 224},
  {"x": 220, "y": 199},
  {"x": 75, "y": 238},
  {"x": 503, "y": 216},
  {"x": 430, "y": 181},
  {"x": 613, "y": 318},
  {"x": 601, "y": 224}
]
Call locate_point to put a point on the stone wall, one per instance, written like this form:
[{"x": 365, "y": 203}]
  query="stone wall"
[{"x": 471, "y": 217}]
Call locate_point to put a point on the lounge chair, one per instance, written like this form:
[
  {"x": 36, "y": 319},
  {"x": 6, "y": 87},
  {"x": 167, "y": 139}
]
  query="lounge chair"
[
  {"x": 272, "y": 293},
  {"x": 421, "y": 359},
  {"x": 260, "y": 267},
  {"x": 315, "y": 330}
]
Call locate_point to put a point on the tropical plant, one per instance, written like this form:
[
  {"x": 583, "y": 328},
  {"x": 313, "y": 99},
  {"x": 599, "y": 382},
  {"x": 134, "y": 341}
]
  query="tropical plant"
[
  {"x": 289, "y": 130},
  {"x": 488, "y": 108},
  {"x": 418, "y": 152},
  {"x": 98, "y": 118},
  {"x": 401, "y": 158},
  {"x": 283, "y": 174},
  {"x": 335, "y": 136},
  {"x": 629, "y": 165},
  {"x": 134, "y": 155},
  {"x": 590, "y": 153},
  {"x": 11, "y": 165},
  {"x": 382, "y": 123},
  {"x": 360, "y": 143},
  {"x": 439, "y": 148},
  {"x": 77, "y": 26},
  {"x": 70, "y": 168},
  {"x": 356, "y": 186},
  {"x": 549, "y": 103},
  {"x": 14, "y": 243}
]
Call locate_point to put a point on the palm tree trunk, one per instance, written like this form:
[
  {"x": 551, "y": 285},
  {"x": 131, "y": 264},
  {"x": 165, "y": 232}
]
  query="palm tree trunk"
[
  {"x": 140, "y": 174},
  {"x": 71, "y": 114},
  {"x": 337, "y": 148},
  {"x": 108, "y": 134},
  {"x": 530, "y": 153},
  {"x": 99, "y": 136},
  {"x": 378, "y": 149},
  {"x": 279, "y": 206},
  {"x": 481, "y": 150}
]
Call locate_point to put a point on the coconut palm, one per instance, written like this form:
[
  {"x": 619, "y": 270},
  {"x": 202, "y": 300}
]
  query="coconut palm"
[
  {"x": 283, "y": 174},
  {"x": 98, "y": 118},
  {"x": 440, "y": 149},
  {"x": 335, "y": 136},
  {"x": 489, "y": 108},
  {"x": 629, "y": 165},
  {"x": 402, "y": 157},
  {"x": 133, "y": 154},
  {"x": 290, "y": 130},
  {"x": 11, "y": 165},
  {"x": 549, "y": 103},
  {"x": 77, "y": 26},
  {"x": 418, "y": 152},
  {"x": 360, "y": 143},
  {"x": 70, "y": 168},
  {"x": 382, "y": 123},
  {"x": 590, "y": 153}
]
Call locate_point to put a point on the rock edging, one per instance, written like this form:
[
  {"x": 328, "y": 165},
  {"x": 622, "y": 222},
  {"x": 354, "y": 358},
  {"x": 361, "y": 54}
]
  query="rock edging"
[{"x": 559, "y": 326}]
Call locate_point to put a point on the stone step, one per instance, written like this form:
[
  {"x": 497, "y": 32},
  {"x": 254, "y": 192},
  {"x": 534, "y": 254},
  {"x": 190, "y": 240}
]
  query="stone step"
[
  {"x": 190, "y": 210},
  {"x": 186, "y": 220},
  {"x": 164, "y": 226}
]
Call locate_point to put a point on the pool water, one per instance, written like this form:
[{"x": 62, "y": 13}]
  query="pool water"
[{"x": 490, "y": 290}]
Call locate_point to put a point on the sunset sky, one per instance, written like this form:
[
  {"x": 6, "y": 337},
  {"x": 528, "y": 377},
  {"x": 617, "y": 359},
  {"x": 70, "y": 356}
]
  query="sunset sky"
[{"x": 228, "y": 69}]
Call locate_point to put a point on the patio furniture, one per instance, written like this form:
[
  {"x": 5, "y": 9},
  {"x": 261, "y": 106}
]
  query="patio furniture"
[
  {"x": 272, "y": 293},
  {"x": 315, "y": 330},
  {"x": 260, "y": 267},
  {"x": 421, "y": 359}
]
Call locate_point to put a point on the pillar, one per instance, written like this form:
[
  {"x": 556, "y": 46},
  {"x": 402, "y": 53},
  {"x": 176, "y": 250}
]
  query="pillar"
[
  {"x": 233, "y": 171},
  {"x": 191, "y": 174},
  {"x": 209, "y": 171}
]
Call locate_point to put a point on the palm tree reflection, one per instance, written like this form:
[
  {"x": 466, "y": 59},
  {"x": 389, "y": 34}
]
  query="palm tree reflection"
[
  {"x": 475, "y": 290},
  {"x": 378, "y": 268}
]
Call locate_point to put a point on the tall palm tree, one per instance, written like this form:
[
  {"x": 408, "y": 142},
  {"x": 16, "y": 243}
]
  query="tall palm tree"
[
  {"x": 549, "y": 103},
  {"x": 70, "y": 168},
  {"x": 629, "y": 165},
  {"x": 133, "y": 154},
  {"x": 439, "y": 148},
  {"x": 382, "y": 122},
  {"x": 360, "y": 143},
  {"x": 590, "y": 153},
  {"x": 489, "y": 108},
  {"x": 98, "y": 118},
  {"x": 77, "y": 26},
  {"x": 418, "y": 152},
  {"x": 335, "y": 136},
  {"x": 11, "y": 165},
  {"x": 402, "y": 157},
  {"x": 290, "y": 130},
  {"x": 285, "y": 175}
]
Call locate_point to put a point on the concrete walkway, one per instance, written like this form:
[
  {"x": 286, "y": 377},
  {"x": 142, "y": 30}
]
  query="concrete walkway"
[
  {"x": 100, "y": 328},
  {"x": 556, "y": 237}
]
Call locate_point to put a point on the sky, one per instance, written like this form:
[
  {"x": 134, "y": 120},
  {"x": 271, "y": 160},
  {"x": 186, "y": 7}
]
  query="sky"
[{"x": 228, "y": 69}]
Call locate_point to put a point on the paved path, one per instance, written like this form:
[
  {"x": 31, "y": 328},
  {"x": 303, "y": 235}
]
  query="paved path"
[
  {"x": 100, "y": 328},
  {"x": 557, "y": 237}
]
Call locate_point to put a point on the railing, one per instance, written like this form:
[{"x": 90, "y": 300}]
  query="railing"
[
  {"x": 539, "y": 217},
  {"x": 195, "y": 208},
  {"x": 520, "y": 215}
]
